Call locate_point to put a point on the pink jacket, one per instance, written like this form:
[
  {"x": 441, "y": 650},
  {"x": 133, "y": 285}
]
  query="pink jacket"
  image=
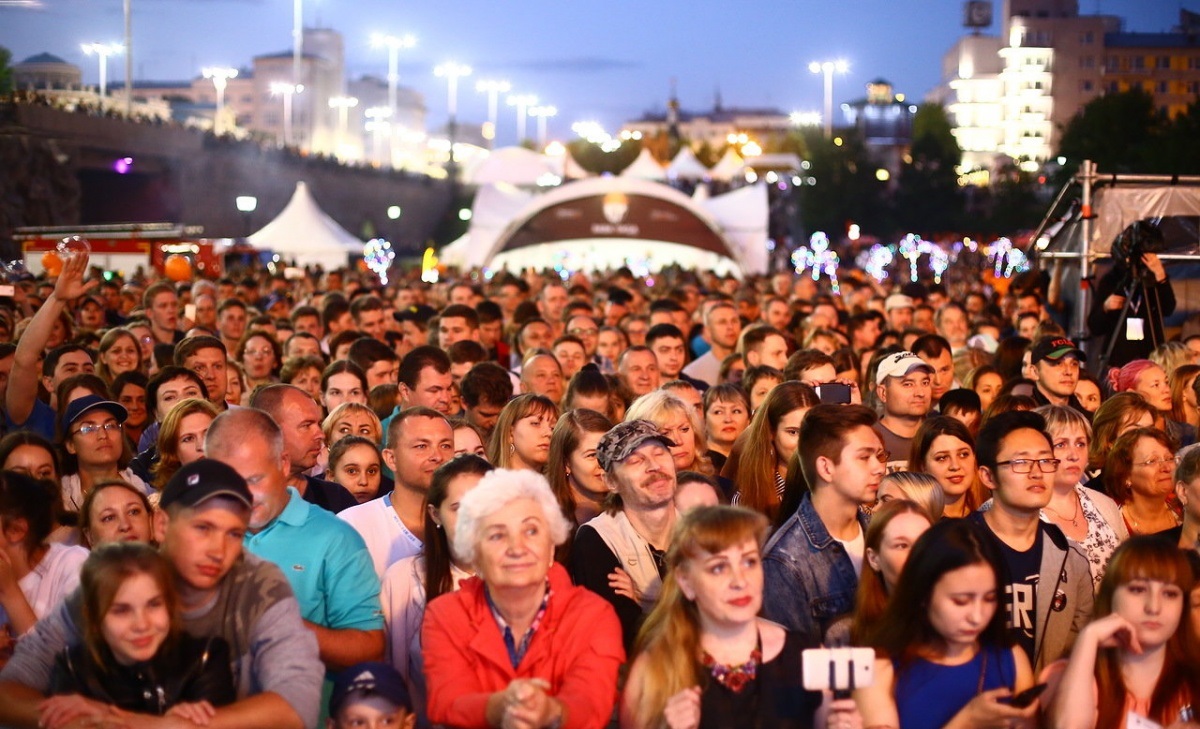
[{"x": 577, "y": 648}]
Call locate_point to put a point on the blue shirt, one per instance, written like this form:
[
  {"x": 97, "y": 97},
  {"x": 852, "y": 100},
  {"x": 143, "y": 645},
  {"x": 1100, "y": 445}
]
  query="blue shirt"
[
  {"x": 326, "y": 562},
  {"x": 41, "y": 420}
]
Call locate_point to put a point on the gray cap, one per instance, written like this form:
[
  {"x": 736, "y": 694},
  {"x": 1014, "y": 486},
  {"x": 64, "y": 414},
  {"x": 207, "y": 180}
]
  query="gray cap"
[{"x": 624, "y": 438}]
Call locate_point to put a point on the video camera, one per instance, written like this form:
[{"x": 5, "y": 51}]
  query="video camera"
[{"x": 1135, "y": 241}]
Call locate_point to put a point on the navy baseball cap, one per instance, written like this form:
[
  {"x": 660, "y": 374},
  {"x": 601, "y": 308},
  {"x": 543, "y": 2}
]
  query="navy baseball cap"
[{"x": 370, "y": 678}]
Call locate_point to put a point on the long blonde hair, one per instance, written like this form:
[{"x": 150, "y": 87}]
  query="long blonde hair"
[{"x": 668, "y": 643}]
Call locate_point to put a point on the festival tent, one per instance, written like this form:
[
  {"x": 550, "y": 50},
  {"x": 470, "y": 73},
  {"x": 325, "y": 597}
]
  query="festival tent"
[
  {"x": 513, "y": 165},
  {"x": 303, "y": 233},
  {"x": 645, "y": 167},
  {"x": 569, "y": 169},
  {"x": 495, "y": 206},
  {"x": 607, "y": 222},
  {"x": 685, "y": 166},
  {"x": 730, "y": 167}
]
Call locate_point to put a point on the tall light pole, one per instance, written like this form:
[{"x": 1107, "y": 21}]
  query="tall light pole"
[
  {"x": 220, "y": 77},
  {"x": 522, "y": 102},
  {"x": 102, "y": 51},
  {"x": 343, "y": 104},
  {"x": 452, "y": 72},
  {"x": 542, "y": 113},
  {"x": 128, "y": 8},
  {"x": 297, "y": 39},
  {"x": 493, "y": 89},
  {"x": 394, "y": 44},
  {"x": 377, "y": 124},
  {"x": 828, "y": 68},
  {"x": 287, "y": 91}
]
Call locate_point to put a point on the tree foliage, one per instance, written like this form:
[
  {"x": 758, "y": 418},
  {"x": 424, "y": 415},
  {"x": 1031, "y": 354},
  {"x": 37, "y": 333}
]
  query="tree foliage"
[
  {"x": 6, "y": 74},
  {"x": 928, "y": 197},
  {"x": 845, "y": 188},
  {"x": 595, "y": 160},
  {"x": 1123, "y": 132}
]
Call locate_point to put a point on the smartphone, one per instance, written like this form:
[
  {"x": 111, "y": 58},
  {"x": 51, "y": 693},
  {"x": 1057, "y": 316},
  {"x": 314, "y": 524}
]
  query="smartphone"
[
  {"x": 840, "y": 670},
  {"x": 1027, "y": 697},
  {"x": 189, "y": 312},
  {"x": 833, "y": 392}
]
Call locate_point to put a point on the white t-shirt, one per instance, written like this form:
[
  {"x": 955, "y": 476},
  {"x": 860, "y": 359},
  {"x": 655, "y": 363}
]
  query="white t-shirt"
[
  {"x": 855, "y": 548},
  {"x": 388, "y": 540},
  {"x": 55, "y": 577}
]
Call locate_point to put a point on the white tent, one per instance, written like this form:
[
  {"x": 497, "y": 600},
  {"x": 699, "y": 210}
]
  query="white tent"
[
  {"x": 685, "y": 166},
  {"x": 606, "y": 222},
  {"x": 304, "y": 233},
  {"x": 645, "y": 167},
  {"x": 513, "y": 165},
  {"x": 730, "y": 167}
]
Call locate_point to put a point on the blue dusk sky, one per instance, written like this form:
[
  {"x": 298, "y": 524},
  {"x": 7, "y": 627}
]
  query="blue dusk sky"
[{"x": 599, "y": 61}]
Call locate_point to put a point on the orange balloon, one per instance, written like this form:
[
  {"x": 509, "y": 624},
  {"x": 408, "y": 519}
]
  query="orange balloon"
[
  {"x": 52, "y": 263},
  {"x": 177, "y": 268}
]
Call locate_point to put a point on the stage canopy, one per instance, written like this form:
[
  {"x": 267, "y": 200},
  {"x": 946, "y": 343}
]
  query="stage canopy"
[
  {"x": 607, "y": 222},
  {"x": 515, "y": 166},
  {"x": 303, "y": 233}
]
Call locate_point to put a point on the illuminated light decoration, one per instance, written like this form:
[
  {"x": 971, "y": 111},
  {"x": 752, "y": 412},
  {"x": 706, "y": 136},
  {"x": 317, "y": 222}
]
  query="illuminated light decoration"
[
  {"x": 998, "y": 251},
  {"x": 875, "y": 261},
  {"x": 378, "y": 255},
  {"x": 818, "y": 258},
  {"x": 910, "y": 248},
  {"x": 123, "y": 165},
  {"x": 72, "y": 246},
  {"x": 1018, "y": 262},
  {"x": 939, "y": 260},
  {"x": 429, "y": 266}
]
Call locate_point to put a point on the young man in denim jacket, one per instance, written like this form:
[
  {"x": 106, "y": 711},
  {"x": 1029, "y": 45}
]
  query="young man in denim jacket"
[{"x": 813, "y": 561}]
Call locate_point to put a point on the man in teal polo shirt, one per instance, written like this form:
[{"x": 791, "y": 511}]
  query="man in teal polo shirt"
[{"x": 323, "y": 558}]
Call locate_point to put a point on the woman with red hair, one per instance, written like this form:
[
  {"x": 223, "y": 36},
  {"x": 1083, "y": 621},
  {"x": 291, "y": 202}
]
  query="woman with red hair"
[{"x": 1151, "y": 382}]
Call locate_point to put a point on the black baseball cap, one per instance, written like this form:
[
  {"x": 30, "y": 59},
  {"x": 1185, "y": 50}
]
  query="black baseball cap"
[
  {"x": 1054, "y": 349},
  {"x": 202, "y": 480}
]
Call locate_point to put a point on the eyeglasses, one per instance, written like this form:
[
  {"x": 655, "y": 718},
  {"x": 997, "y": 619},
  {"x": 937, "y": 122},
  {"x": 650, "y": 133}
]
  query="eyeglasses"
[
  {"x": 1155, "y": 462},
  {"x": 259, "y": 352},
  {"x": 89, "y": 429},
  {"x": 146, "y": 340},
  {"x": 1022, "y": 466},
  {"x": 583, "y": 332}
]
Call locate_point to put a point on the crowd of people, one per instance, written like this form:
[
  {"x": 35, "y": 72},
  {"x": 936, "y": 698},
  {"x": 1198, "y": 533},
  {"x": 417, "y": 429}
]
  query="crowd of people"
[{"x": 589, "y": 500}]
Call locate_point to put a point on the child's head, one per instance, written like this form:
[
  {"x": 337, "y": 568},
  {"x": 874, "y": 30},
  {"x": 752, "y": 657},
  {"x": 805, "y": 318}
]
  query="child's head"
[
  {"x": 695, "y": 489},
  {"x": 129, "y": 602},
  {"x": 366, "y": 693}
]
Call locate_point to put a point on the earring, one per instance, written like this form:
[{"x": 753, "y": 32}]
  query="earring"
[
  {"x": 512, "y": 448},
  {"x": 569, "y": 475}
]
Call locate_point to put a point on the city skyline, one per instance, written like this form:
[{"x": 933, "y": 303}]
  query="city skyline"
[{"x": 608, "y": 62}]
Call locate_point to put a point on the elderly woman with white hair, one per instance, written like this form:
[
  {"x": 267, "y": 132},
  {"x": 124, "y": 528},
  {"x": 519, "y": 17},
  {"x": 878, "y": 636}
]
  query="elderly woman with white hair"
[{"x": 518, "y": 645}]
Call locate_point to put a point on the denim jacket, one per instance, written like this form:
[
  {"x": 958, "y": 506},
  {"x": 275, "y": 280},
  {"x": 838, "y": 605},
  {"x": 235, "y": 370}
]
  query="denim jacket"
[{"x": 809, "y": 578}]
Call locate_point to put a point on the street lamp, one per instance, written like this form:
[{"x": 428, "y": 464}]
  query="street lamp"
[
  {"x": 542, "y": 113},
  {"x": 493, "y": 89},
  {"x": 394, "y": 44},
  {"x": 377, "y": 124},
  {"x": 287, "y": 91},
  {"x": 452, "y": 72},
  {"x": 522, "y": 102},
  {"x": 102, "y": 51},
  {"x": 827, "y": 68},
  {"x": 246, "y": 205},
  {"x": 220, "y": 77},
  {"x": 343, "y": 104}
]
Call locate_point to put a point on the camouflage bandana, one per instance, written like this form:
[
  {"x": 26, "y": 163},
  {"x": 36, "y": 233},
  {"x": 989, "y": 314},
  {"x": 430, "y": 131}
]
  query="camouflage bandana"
[{"x": 624, "y": 438}]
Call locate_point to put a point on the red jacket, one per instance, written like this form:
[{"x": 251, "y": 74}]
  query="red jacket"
[{"x": 577, "y": 648}]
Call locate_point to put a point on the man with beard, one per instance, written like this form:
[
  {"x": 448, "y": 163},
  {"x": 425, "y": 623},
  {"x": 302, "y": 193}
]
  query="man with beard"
[{"x": 638, "y": 467}]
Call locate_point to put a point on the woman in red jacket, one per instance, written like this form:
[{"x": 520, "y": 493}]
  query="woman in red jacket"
[{"x": 518, "y": 644}]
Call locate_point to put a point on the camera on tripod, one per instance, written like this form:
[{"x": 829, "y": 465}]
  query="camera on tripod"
[{"x": 1135, "y": 241}]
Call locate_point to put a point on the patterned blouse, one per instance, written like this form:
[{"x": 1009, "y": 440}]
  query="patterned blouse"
[{"x": 1102, "y": 538}]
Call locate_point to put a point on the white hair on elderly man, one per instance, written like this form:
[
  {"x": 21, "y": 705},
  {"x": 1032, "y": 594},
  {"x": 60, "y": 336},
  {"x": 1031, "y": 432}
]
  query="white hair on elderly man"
[{"x": 496, "y": 490}]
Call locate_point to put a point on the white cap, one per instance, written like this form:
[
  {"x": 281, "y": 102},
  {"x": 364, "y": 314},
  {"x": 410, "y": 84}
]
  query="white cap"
[
  {"x": 899, "y": 365},
  {"x": 898, "y": 301}
]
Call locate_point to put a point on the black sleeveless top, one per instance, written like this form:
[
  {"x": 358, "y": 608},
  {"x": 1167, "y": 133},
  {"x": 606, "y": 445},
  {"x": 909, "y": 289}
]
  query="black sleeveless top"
[{"x": 776, "y": 699}]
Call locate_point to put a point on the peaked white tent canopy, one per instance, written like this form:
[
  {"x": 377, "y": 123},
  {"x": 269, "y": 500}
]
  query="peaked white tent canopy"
[
  {"x": 513, "y": 165},
  {"x": 568, "y": 168},
  {"x": 730, "y": 167},
  {"x": 606, "y": 222},
  {"x": 685, "y": 166},
  {"x": 645, "y": 167},
  {"x": 304, "y": 233}
]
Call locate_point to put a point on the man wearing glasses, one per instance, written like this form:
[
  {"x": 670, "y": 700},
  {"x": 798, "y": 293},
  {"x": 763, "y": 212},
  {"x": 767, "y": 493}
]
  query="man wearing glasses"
[{"x": 1047, "y": 582}]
